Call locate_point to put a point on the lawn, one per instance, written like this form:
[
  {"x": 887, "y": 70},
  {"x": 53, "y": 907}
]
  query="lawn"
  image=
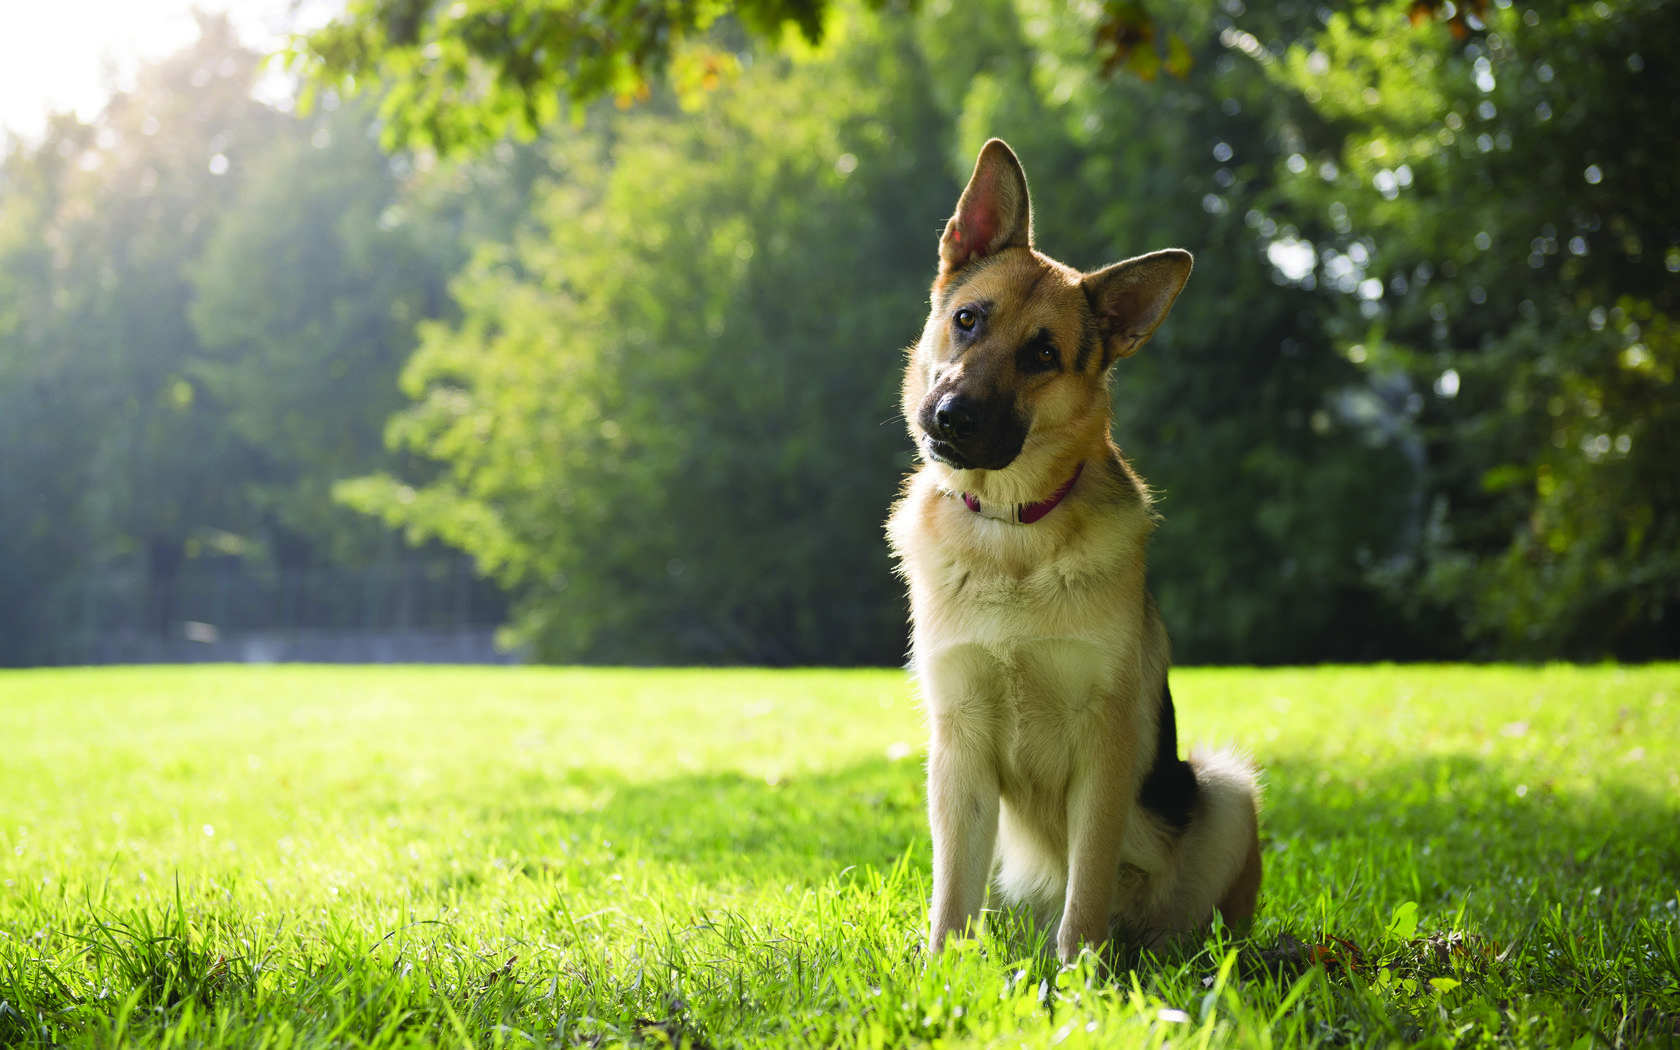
[{"x": 307, "y": 856}]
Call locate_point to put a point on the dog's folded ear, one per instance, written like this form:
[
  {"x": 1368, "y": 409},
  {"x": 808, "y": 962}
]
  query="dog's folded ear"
[
  {"x": 994, "y": 213},
  {"x": 1132, "y": 298}
]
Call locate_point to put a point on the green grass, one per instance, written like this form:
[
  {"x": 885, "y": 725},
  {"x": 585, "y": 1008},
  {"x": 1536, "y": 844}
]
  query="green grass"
[{"x": 283, "y": 856}]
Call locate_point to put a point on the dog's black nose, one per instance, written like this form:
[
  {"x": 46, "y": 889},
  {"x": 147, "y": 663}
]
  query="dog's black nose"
[{"x": 955, "y": 418}]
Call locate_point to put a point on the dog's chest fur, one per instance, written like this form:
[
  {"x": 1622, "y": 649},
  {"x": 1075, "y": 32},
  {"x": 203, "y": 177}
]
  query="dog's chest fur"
[{"x": 1024, "y": 633}]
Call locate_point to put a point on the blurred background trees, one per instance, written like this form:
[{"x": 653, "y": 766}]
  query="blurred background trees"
[
  {"x": 1521, "y": 226},
  {"x": 640, "y": 362},
  {"x": 203, "y": 304}
]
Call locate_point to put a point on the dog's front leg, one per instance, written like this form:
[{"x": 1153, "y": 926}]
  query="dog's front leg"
[
  {"x": 1097, "y": 809},
  {"x": 963, "y": 812}
]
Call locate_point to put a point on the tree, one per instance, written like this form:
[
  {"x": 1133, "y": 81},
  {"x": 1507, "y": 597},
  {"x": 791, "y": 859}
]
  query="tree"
[
  {"x": 462, "y": 75},
  {"x": 204, "y": 304},
  {"x": 668, "y": 412},
  {"x": 105, "y": 440},
  {"x": 466, "y": 74},
  {"x": 305, "y": 302},
  {"x": 634, "y": 394},
  {"x": 1508, "y": 231}
]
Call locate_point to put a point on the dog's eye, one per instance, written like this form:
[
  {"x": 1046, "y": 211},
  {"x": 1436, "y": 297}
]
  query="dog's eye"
[
  {"x": 966, "y": 319},
  {"x": 1038, "y": 354}
]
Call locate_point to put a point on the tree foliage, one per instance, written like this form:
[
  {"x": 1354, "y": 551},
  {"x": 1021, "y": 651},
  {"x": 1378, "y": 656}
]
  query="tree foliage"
[
  {"x": 669, "y": 411},
  {"x": 105, "y": 438},
  {"x": 1417, "y": 401},
  {"x": 1510, "y": 228},
  {"x": 1313, "y": 465},
  {"x": 469, "y": 72},
  {"x": 204, "y": 302},
  {"x": 462, "y": 74}
]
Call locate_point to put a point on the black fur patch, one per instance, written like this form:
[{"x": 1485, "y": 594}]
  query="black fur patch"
[
  {"x": 1090, "y": 345},
  {"x": 1169, "y": 791},
  {"x": 1027, "y": 359}
]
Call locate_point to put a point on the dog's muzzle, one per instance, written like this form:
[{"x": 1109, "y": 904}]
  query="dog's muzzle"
[{"x": 970, "y": 434}]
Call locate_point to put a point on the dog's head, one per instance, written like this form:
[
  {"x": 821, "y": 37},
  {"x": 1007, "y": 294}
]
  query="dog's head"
[{"x": 1012, "y": 367}]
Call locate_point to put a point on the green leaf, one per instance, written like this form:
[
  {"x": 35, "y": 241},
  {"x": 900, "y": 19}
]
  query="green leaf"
[
  {"x": 1404, "y": 922},
  {"x": 1504, "y": 477},
  {"x": 1179, "y": 59},
  {"x": 1144, "y": 63}
]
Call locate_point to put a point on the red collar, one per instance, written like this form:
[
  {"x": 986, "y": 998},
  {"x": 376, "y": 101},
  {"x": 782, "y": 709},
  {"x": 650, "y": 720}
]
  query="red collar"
[{"x": 1024, "y": 513}]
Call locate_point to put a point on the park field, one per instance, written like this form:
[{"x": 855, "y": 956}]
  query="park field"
[{"x": 285, "y": 856}]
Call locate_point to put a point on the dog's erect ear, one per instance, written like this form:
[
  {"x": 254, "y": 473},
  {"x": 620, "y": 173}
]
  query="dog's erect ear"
[
  {"x": 1132, "y": 298},
  {"x": 993, "y": 214}
]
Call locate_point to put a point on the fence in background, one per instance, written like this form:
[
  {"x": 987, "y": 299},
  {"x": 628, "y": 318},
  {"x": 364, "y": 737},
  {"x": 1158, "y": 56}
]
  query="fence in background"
[{"x": 411, "y": 611}]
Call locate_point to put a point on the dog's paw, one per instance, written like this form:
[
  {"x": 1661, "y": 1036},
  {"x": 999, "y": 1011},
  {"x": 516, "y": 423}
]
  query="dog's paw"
[{"x": 1072, "y": 941}]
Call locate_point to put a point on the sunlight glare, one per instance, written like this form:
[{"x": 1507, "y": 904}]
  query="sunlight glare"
[{"x": 71, "y": 55}]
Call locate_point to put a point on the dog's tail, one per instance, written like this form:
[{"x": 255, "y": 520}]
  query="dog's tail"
[
  {"x": 1234, "y": 781},
  {"x": 1218, "y": 859}
]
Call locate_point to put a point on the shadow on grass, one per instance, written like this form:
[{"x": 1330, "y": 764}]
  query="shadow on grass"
[
  {"x": 1581, "y": 881},
  {"x": 724, "y": 827},
  {"x": 1343, "y": 846},
  {"x": 1444, "y": 868},
  {"x": 1442, "y": 828}
]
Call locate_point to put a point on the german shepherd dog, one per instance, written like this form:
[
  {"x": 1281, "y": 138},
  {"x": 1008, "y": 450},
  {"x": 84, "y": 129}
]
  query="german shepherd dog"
[{"x": 1041, "y": 659}]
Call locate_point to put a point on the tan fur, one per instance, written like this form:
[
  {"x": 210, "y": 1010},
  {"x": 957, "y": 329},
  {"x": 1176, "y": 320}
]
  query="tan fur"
[
  {"x": 1040, "y": 656},
  {"x": 1237, "y": 906}
]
